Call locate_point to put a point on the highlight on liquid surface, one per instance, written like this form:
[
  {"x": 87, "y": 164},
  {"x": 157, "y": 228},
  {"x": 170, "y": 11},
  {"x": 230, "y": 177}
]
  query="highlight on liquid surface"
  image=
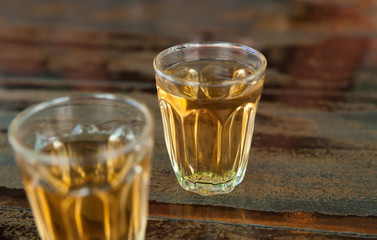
[
  {"x": 208, "y": 126},
  {"x": 89, "y": 198}
]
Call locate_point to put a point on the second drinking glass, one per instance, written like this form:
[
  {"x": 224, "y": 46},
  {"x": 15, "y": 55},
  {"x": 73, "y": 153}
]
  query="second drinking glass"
[{"x": 85, "y": 165}]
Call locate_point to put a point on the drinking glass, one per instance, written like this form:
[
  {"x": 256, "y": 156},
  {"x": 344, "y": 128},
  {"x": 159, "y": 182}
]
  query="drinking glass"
[
  {"x": 208, "y": 95},
  {"x": 85, "y": 165}
]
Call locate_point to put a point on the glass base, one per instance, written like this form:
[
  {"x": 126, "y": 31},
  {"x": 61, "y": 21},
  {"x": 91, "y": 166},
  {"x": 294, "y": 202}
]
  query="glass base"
[{"x": 209, "y": 189}]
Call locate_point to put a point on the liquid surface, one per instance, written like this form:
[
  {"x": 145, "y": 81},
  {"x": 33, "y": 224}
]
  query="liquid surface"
[
  {"x": 89, "y": 198},
  {"x": 208, "y": 127}
]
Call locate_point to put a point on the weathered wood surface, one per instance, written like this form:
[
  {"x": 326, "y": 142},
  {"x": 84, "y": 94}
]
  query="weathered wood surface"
[
  {"x": 18, "y": 224},
  {"x": 313, "y": 168}
]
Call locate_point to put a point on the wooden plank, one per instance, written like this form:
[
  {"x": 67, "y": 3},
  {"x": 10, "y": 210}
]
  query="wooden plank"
[
  {"x": 18, "y": 224},
  {"x": 300, "y": 161}
]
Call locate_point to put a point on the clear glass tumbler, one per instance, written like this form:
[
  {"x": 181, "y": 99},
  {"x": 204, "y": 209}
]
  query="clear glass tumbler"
[
  {"x": 85, "y": 165},
  {"x": 208, "y": 95}
]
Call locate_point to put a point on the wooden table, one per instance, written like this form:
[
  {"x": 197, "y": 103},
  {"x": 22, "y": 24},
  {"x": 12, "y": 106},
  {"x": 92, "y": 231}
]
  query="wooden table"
[{"x": 312, "y": 172}]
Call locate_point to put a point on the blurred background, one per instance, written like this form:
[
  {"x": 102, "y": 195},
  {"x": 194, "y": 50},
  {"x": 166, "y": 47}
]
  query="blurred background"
[
  {"x": 116, "y": 40},
  {"x": 238, "y": 20}
]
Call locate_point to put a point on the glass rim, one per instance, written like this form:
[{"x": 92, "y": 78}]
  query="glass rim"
[
  {"x": 256, "y": 75},
  {"x": 21, "y": 117}
]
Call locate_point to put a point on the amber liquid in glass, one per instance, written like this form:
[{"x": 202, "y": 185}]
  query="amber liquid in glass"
[
  {"x": 89, "y": 198},
  {"x": 208, "y": 127}
]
